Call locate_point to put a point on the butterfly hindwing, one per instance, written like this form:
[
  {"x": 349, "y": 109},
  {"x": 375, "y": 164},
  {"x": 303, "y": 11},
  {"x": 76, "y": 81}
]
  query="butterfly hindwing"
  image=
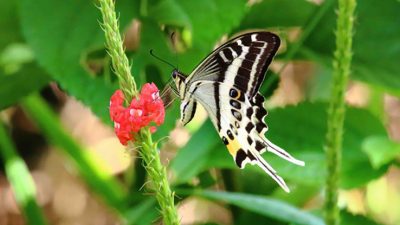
[{"x": 241, "y": 127}]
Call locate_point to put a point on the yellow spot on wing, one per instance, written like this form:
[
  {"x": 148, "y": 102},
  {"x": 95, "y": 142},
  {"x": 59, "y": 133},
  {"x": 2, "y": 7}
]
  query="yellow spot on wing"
[
  {"x": 233, "y": 147},
  {"x": 238, "y": 96}
]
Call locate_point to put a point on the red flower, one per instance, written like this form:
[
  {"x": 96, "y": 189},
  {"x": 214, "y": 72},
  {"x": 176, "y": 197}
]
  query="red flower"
[
  {"x": 142, "y": 111},
  {"x": 116, "y": 102}
]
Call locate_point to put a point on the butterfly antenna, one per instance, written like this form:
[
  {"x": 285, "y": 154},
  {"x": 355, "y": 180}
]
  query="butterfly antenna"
[
  {"x": 160, "y": 59},
  {"x": 172, "y": 37}
]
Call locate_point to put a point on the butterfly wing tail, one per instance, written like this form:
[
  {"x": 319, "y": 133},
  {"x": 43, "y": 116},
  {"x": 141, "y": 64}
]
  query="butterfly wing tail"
[
  {"x": 264, "y": 165},
  {"x": 262, "y": 143},
  {"x": 271, "y": 147},
  {"x": 244, "y": 154}
]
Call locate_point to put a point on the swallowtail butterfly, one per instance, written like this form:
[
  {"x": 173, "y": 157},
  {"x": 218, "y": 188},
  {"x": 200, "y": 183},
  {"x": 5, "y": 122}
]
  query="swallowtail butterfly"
[{"x": 226, "y": 84}]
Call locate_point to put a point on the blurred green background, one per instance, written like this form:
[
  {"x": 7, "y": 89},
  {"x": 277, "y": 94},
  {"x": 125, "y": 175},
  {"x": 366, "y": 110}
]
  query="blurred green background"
[{"x": 56, "y": 81}]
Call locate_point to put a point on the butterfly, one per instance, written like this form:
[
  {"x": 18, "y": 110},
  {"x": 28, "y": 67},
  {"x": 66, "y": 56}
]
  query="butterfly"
[{"x": 226, "y": 83}]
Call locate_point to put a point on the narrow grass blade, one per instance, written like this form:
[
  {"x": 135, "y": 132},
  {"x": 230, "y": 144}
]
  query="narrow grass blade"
[{"x": 20, "y": 180}]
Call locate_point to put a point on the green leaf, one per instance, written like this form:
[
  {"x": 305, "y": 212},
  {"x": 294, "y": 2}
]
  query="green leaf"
[
  {"x": 143, "y": 213},
  {"x": 380, "y": 150},
  {"x": 209, "y": 22},
  {"x": 14, "y": 57},
  {"x": 350, "y": 219},
  {"x": 262, "y": 205},
  {"x": 59, "y": 34},
  {"x": 21, "y": 181},
  {"x": 192, "y": 158},
  {"x": 372, "y": 64},
  {"x": 296, "y": 13},
  {"x": 9, "y": 24},
  {"x": 169, "y": 12},
  {"x": 13, "y": 53},
  {"x": 270, "y": 84},
  {"x": 145, "y": 67},
  {"x": 171, "y": 116},
  {"x": 300, "y": 195},
  {"x": 301, "y": 131},
  {"x": 14, "y": 87}
]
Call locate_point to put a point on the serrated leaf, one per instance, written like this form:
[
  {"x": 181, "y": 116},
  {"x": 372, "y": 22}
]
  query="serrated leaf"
[{"x": 380, "y": 150}]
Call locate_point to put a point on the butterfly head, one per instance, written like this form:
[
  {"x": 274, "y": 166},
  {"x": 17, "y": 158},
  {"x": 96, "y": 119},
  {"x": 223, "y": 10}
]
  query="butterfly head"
[
  {"x": 188, "y": 105},
  {"x": 179, "y": 79}
]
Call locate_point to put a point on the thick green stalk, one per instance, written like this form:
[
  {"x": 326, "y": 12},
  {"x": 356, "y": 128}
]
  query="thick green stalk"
[
  {"x": 115, "y": 49},
  {"x": 336, "y": 112},
  {"x": 21, "y": 181},
  {"x": 158, "y": 174},
  {"x": 147, "y": 149}
]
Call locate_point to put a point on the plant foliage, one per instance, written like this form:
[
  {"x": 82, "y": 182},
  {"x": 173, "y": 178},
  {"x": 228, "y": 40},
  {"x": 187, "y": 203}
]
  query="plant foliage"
[{"x": 67, "y": 42}]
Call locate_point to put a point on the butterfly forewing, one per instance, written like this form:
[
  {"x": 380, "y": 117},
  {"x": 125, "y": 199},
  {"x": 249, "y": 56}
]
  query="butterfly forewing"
[{"x": 247, "y": 57}]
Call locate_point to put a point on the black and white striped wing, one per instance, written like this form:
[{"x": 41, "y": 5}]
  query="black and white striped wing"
[
  {"x": 242, "y": 61},
  {"x": 227, "y": 84}
]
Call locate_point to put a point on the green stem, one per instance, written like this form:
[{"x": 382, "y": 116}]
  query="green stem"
[
  {"x": 116, "y": 51},
  {"x": 21, "y": 181},
  {"x": 147, "y": 149},
  {"x": 336, "y": 111},
  {"x": 158, "y": 175}
]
